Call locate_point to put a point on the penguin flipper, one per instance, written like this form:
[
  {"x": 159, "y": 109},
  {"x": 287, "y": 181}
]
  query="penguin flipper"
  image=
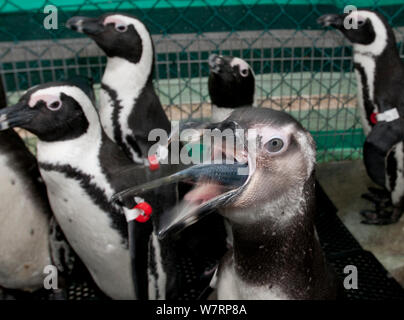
[
  {"x": 144, "y": 120},
  {"x": 379, "y": 142},
  {"x": 139, "y": 235}
]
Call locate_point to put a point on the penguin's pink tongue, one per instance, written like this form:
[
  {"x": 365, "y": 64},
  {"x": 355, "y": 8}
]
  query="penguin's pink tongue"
[{"x": 204, "y": 192}]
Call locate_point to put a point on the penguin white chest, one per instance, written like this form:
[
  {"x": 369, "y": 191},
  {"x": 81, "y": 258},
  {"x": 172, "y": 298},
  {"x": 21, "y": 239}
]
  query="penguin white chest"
[
  {"x": 231, "y": 287},
  {"x": 24, "y": 243},
  {"x": 106, "y": 113},
  {"x": 89, "y": 231},
  {"x": 368, "y": 65}
]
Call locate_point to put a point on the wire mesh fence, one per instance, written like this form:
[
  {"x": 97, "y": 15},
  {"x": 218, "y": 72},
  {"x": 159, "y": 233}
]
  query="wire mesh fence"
[{"x": 299, "y": 68}]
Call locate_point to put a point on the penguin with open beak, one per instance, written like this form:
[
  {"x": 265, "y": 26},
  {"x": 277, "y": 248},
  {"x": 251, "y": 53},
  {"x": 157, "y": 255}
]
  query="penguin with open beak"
[
  {"x": 231, "y": 85},
  {"x": 380, "y": 76},
  {"x": 265, "y": 188}
]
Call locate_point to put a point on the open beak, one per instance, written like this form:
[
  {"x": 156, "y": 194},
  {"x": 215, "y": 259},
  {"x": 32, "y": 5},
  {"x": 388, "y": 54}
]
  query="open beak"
[
  {"x": 89, "y": 26},
  {"x": 216, "y": 184},
  {"x": 15, "y": 116},
  {"x": 331, "y": 20}
]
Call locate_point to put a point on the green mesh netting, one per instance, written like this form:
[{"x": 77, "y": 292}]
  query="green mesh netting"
[{"x": 299, "y": 67}]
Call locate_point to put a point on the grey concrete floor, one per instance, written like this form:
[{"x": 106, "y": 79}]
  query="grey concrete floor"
[{"x": 344, "y": 182}]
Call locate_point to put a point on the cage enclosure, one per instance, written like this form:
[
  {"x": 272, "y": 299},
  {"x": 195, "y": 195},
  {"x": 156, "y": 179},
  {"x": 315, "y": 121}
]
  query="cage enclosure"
[{"x": 299, "y": 68}]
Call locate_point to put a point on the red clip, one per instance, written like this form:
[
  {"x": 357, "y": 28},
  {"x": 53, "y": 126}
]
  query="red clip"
[
  {"x": 146, "y": 211},
  {"x": 153, "y": 162},
  {"x": 373, "y": 118}
]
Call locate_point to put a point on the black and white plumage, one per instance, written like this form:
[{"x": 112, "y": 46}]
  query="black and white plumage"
[
  {"x": 231, "y": 85},
  {"x": 276, "y": 253},
  {"x": 129, "y": 107},
  {"x": 380, "y": 77},
  {"x": 82, "y": 169},
  {"x": 24, "y": 215}
]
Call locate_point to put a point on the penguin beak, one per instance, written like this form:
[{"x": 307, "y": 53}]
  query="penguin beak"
[
  {"x": 331, "y": 20},
  {"x": 89, "y": 26},
  {"x": 215, "y": 186},
  {"x": 17, "y": 115}
]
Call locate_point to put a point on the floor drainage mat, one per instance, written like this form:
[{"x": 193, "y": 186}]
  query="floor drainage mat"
[{"x": 340, "y": 247}]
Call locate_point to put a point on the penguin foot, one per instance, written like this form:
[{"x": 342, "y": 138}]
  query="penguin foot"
[
  {"x": 380, "y": 197},
  {"x": 382, "y": 217}
]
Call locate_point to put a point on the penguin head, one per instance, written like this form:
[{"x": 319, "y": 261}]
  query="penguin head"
[
  {"x": 53, "y": 112},
  {"x": 231, "y": 82},
  {"x": 118, "y": 35},
  {"x": 269, "y": 163},
  {"x": 368, "y": 31},
  {"x": 281, "y": 156}
]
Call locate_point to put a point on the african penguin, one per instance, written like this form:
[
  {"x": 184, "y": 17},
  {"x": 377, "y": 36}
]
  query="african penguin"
[
  {"x": 380, "y": 77},
  {"x": 231, "y": 85},
  {"x": 82, "y": 169},
  {"x": 129, "y": 106},
  {"x": 30, "y": 238},
  {"x": 276, "y": 253},
  {"x": 24, "y": 215}
]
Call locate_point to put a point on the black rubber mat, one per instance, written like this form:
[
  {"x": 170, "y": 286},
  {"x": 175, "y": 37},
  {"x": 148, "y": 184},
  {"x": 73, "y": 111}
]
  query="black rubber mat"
[
  {"x": 340, "y": 247},
  {"x": 334, "y": 236},
  {"x": 374, "y": 282}
]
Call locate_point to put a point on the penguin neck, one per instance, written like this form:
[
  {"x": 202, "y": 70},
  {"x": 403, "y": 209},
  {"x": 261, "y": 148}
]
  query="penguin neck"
[
  {"x": 282, "y": 242},
  {"x": 74, "y": 150},
  {"x": 376, "y": 75},
  {"x": 128, "y": 78},
  {"x": 375, "y": 62}
]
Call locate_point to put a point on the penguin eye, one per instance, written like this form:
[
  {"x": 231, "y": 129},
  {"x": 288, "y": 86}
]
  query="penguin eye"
[
  {"x": 360, "y": 22},
  {"x": 274, "y": 145},
  {"x": 121, "y": 27},
  {"x": 54, "y": 106},
  {"x": 244, "y": 72}
]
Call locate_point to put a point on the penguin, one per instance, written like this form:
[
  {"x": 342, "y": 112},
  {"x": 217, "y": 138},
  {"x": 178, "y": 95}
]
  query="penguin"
[
  {"x": 380, "y": 73},
  {"x": 24, "y": 215},
  {"x": 231, "y": 85},
  {"x": 270, "y": 205},
  {"x": 129, "y": 107},
  {"x": 30, "y": 238},
  {"x": 82, "y": 168}
]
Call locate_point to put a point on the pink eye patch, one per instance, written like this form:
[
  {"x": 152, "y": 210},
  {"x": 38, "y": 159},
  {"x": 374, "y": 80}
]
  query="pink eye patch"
[
  {"x": 48, "y": 99},
  {"x": 114, "y": 20}
]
